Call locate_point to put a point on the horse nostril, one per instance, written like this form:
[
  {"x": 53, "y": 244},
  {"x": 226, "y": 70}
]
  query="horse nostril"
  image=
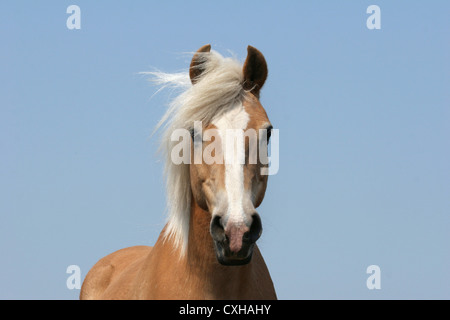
[
  {"x": 255, "y": 229},
  {"x": 217, "y": 230}
]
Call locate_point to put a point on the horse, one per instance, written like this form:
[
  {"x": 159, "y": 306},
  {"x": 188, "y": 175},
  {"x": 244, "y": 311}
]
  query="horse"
[{"x": 207, "y": 249}]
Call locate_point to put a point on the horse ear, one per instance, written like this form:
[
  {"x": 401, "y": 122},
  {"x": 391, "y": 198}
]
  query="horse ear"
[
  {"x": 255, "y": 71},
  {"x": 195, "y": 70}
]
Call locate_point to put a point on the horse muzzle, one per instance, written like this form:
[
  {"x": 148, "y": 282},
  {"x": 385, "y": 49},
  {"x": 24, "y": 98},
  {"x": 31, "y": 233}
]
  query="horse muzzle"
[{"x": 233, "y": 243}]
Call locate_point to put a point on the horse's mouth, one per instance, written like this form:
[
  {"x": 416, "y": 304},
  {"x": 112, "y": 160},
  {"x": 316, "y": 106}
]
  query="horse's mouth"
[
  {"x": 234, "y": 246},
  {"x": 227, "y": 257}
]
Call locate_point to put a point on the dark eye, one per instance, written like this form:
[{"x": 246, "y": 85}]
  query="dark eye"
[
  {"x": 196, "y": 136},
  {"x": 269, "y": 133}
]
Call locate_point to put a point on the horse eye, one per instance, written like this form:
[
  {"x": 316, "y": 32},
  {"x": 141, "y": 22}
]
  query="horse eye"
[
  {"x": 269, "y": 133},
  {"x": 196, "y": 136}
]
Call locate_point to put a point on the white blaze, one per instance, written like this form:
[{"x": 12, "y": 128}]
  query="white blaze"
[{"x": 230, "y": 127}]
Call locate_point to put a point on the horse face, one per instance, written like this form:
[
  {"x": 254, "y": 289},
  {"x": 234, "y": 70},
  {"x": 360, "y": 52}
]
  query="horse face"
[{"x": 229, "y": 182}]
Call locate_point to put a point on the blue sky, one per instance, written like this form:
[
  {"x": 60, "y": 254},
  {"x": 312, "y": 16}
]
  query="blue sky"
[{"x": 364, "y": 138}]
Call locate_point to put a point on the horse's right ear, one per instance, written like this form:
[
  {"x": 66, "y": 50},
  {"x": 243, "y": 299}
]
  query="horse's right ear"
[{"x": 195, "y": 70}]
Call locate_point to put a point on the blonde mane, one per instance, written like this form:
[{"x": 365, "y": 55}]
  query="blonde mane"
[{"x": 217, "y": 89}]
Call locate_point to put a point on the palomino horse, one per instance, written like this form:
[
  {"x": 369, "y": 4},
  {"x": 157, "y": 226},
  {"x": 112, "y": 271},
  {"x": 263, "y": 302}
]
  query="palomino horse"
[{"x": 207, "y": 249}]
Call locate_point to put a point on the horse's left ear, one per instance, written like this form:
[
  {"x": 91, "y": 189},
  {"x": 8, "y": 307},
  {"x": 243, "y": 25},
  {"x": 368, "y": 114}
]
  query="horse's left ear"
[{"x": 255, "y": 71}]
